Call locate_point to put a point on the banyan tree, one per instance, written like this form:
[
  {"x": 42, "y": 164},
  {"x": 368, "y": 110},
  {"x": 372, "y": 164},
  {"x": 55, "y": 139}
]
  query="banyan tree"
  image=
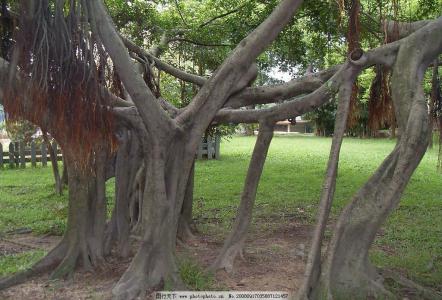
[{"x": 73, "y": 74}]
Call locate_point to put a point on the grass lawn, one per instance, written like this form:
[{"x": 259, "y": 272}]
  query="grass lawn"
[{"x": 290, "y": 187}]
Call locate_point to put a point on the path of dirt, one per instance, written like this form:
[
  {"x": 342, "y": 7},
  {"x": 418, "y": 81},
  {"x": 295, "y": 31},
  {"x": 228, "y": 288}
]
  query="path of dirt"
[{"x": 274, "y": 261}]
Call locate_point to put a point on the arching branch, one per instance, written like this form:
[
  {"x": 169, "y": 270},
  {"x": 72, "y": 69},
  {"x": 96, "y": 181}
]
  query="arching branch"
[{"x": 153, "y": 116}]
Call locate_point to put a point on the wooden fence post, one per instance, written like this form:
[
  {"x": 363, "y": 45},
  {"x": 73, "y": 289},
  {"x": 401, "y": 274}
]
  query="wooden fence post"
[
  {"x": 209, "y": 148},
  {"x": 16, "y": 154},
  {"x": 11, "y": 155},
  {"x": 22, "y": 155},
  {"x": 44, "y": 155},
  {"x": 200, "y": 150},
  {"x": 33, "y": 155}
]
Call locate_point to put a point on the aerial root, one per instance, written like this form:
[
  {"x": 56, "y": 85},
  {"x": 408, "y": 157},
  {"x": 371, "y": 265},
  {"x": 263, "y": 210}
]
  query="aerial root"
[{"x": 425, "y": 293}]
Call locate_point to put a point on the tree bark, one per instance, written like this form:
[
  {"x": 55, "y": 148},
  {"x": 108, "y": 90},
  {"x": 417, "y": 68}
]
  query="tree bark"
[
  {"x": 313, "y": 267},
  {"x": 82, "y": 243},
  {"x": 185, "y": 231},
  {"x": 54, "y": 164},
  {"x": 235, "y": 242},
  {"x": 155, "y": 263},
  {"x": 347, "y": 271},
  {"x": 87, "y": 215}
]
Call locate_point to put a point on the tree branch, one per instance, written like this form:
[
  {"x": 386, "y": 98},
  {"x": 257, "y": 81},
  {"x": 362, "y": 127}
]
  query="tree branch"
[
  {"x": 277, "y": 93},
  {"x": 169, "y": 69},
  {"x": 200, "y": 112},
  {"x": 221, "y": 16},
  {"x": 201, "y": 43},
  {"x": 154, "y": 117},
  {"x": 301, "y": 105}
]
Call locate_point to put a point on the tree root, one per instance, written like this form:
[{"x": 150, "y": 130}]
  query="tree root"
[
  {"x": 44, "y": 265},
  {"x": 63, "y": 260},
  {"x": 226, "y": 259},
  {"x": 185, "y": 232},
  {"x": 425, "y": 293},
  {"x": 21, "y": 244}
]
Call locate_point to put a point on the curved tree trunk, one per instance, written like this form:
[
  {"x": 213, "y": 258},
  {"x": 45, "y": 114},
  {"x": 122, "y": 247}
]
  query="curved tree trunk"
[
  {"x": 347, "y": 272},
  {"x": 313, "y": 266},
  {"x": 235, "y": 242}
]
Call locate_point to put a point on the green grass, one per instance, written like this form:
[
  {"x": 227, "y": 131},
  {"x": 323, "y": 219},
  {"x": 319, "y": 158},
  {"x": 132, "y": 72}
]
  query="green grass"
[
  {"x": 195, "y": 278},
  {"x": 290, "y": 187},
  {"x": 17, "y": 262}
]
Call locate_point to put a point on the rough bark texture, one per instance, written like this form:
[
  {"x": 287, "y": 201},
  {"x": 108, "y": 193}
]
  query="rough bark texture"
[
  {"x": 185, "y": 231},
  {"x": 82, "y": 243},
  {"x": 173, "y": 142},
  {"x": 235, "y": 241},
  {"x": 347, "y": 272},
  {"x": 86, "y": 215},
  {"x": 313, "y": 267},
  {"x": 127, "y": 162}
]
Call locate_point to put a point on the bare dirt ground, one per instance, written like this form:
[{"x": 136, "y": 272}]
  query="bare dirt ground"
[{"x": 274, "y": 261}]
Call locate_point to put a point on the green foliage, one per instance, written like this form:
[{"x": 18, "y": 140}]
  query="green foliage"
[
  {"x": 323, "y": 118},
  {"x": 20, "y": 130}
]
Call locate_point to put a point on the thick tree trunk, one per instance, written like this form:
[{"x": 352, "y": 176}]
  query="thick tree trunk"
[
  {"x": 87, "y": 215},
  {"x": 155, "y": 263},
  {"x": 126, "y": 166},
  {"x": 82, "y": 243},
  {"x": 235, "y": 242}
]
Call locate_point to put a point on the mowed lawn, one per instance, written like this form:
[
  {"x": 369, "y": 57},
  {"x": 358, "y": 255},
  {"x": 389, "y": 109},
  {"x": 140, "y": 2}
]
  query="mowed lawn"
[{"x": 411, "y": 241}]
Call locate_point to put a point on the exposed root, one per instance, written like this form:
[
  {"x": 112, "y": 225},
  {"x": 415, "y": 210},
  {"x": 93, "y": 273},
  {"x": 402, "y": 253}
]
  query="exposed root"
[
  {"x": 44, "y": 265},
  {"x": 425, "y": 293},
  {"x": 363, "y": 286},
  {"x": 185, "y": 232},
  {"x": 226, "y": 260},
  {"x": 67, "y": 265}
]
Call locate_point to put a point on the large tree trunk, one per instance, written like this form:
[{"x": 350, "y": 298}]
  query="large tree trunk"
[
  {"x": 154, "y": 264},
  {"x": 82, "y": 243},
  {"x": 87, "y": 214},
  {"x": 127, "y": 163},
  {"x": 235, "y": 242}
]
